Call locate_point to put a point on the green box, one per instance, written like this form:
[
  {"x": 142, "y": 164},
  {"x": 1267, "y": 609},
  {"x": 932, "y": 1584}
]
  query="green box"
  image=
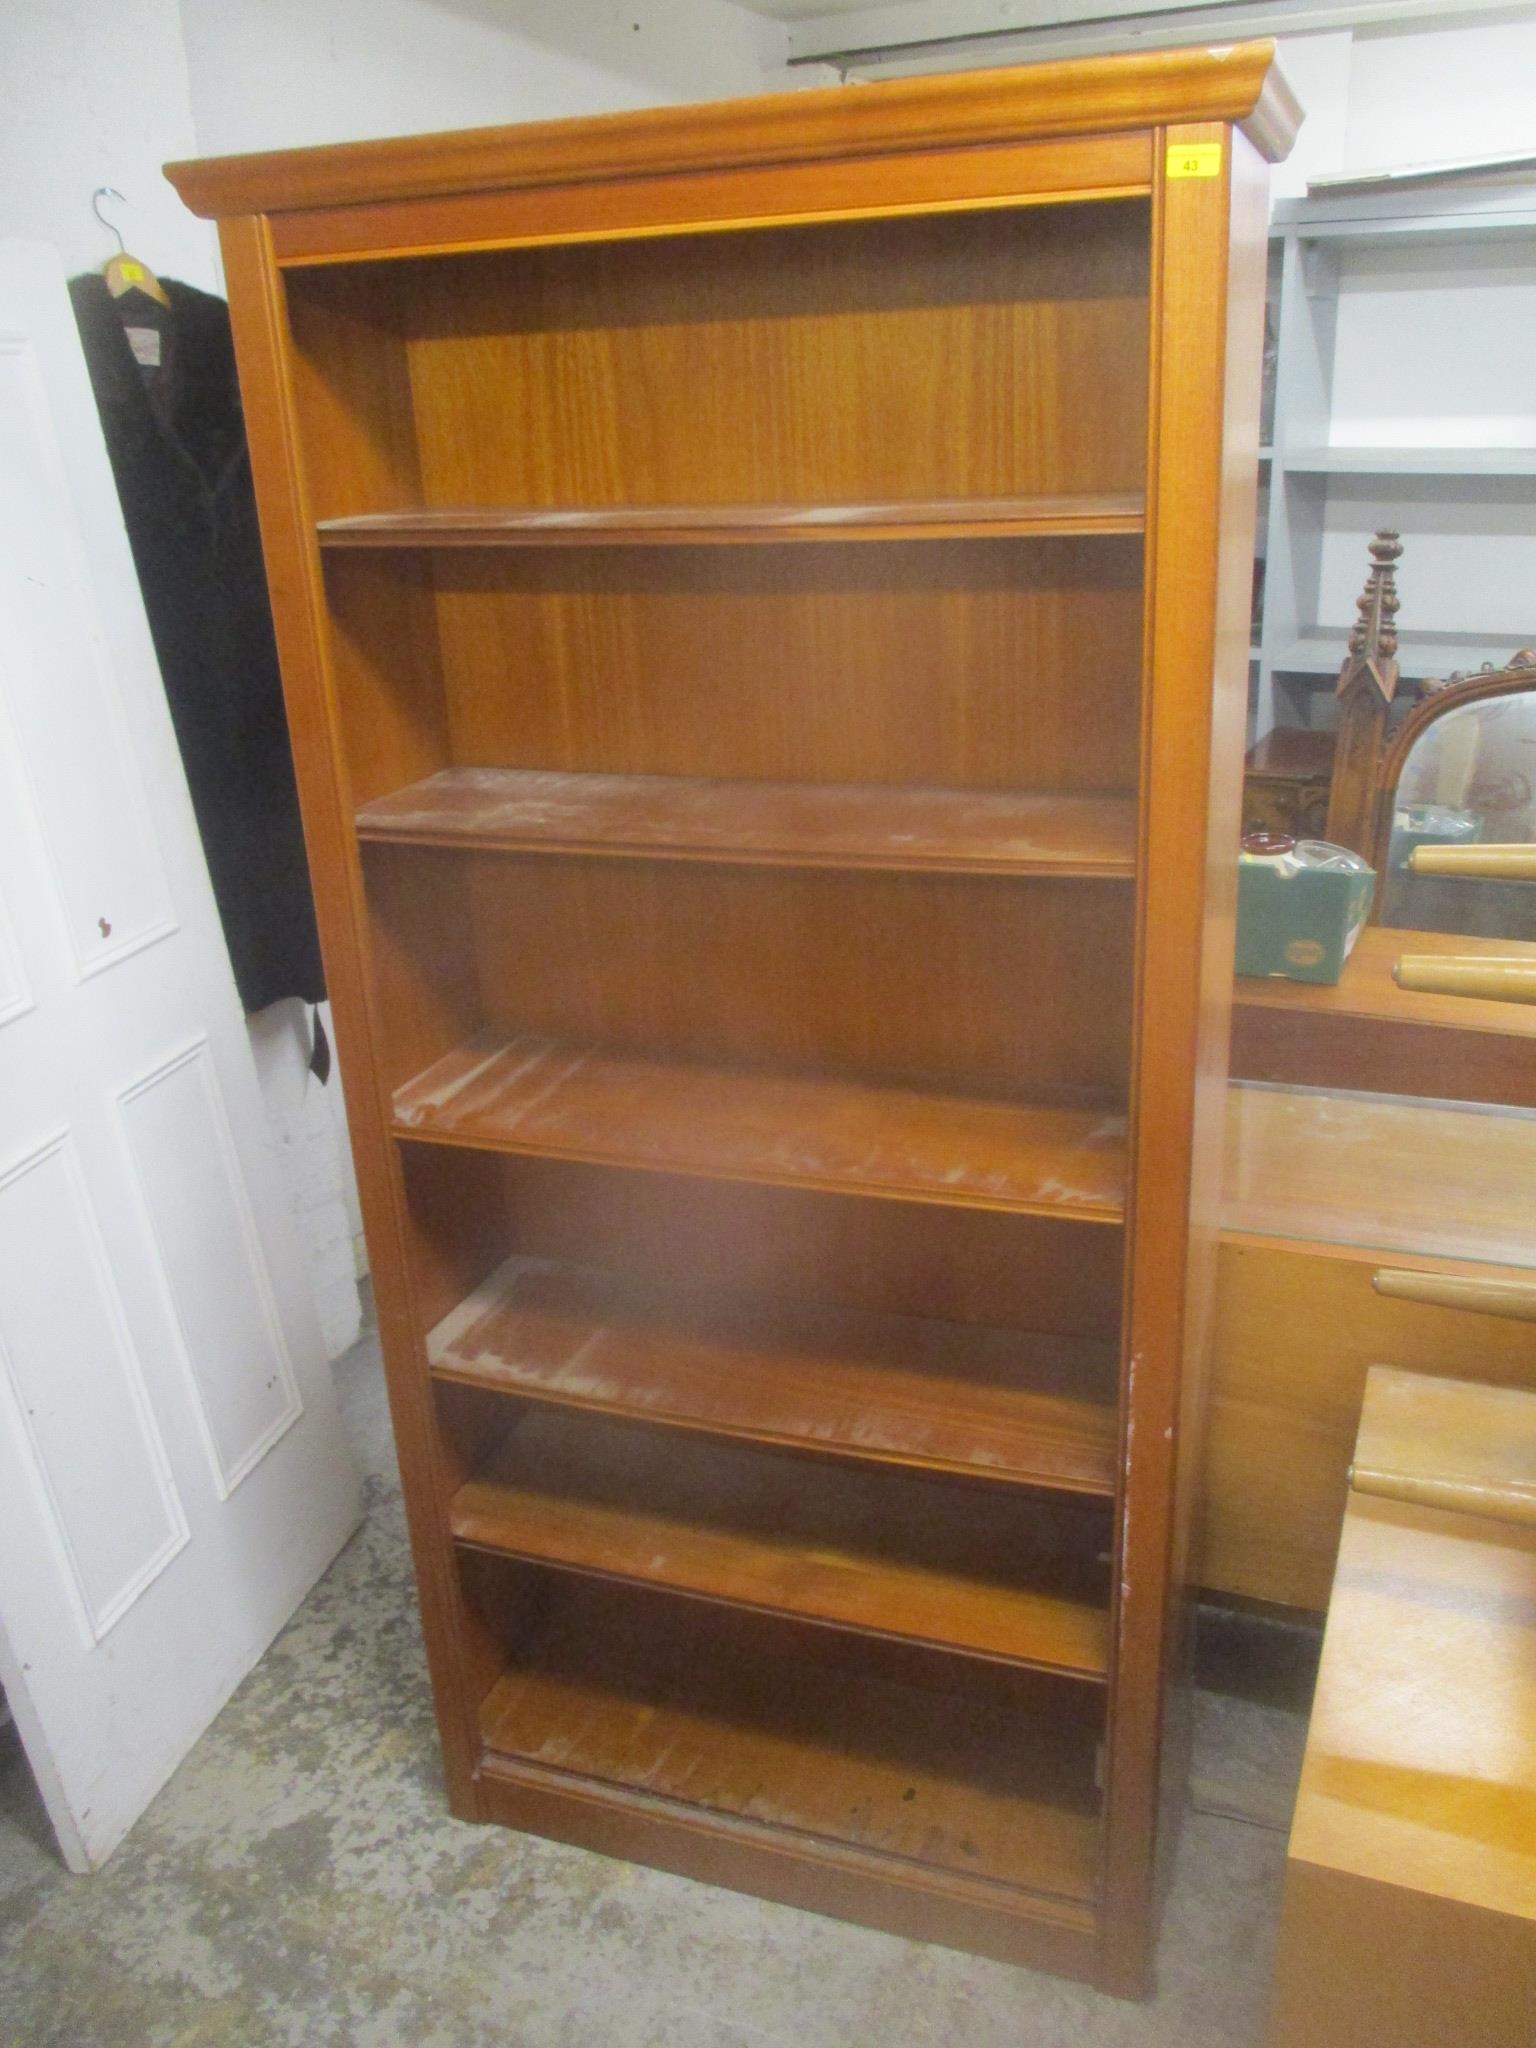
[{"x": 1299, "y": 922}]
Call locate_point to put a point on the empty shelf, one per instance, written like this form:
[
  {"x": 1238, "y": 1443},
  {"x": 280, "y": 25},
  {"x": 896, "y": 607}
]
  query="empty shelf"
[
  {"x": 671, "y": 1707},
  {"x": 1322, "y": 651},
  {"x": 542, "y": 526},
  {"x": 992, "y": 1573},
  {"x": 538, "y": 1095},
  {"x": 790, "y": 824},
  {"x": 1456, "y": 462},
  {"x": 907, "y": 1390}
]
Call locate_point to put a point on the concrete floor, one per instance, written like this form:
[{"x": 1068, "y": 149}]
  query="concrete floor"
[{"x": 299, "y": 1884}]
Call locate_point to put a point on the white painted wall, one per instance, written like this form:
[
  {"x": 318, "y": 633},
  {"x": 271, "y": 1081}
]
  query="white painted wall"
[
  {"x": 1379, "y": 98},
  {"x": 1317, "y": 68},
  {"x": 94, "y": 92},
  {"x": 1442, "y": 93},
  {"x": 273, "y": 74}
]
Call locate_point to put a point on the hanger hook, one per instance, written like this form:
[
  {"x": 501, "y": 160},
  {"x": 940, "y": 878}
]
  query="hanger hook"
[{"x": 109, "y": 192}]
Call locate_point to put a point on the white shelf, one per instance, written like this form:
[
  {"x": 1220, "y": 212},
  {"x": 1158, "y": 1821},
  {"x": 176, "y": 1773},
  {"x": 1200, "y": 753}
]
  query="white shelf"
[
  {"x": 1321, "y": 651},
  {"x": 1455, "y": 462},
  {"x": 1400, "y": 312}
]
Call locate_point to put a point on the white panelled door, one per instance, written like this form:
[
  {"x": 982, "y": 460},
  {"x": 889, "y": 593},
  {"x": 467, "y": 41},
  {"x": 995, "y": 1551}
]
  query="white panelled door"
[{"x": 173, "y": 1476}]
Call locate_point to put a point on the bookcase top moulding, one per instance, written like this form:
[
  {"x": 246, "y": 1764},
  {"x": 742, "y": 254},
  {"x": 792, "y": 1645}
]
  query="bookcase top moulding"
[{"x": 1238, "y": 83}]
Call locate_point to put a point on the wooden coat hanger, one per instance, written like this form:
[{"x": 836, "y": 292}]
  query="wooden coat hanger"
[{"x": 125, "y": 273}]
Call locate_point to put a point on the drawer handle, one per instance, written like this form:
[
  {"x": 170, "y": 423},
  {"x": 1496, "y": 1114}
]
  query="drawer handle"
[
  {"x": 1511, "y": 863},
  {"x": 1467, "y": 974},
  {"x": 1516, "y": 1298}
]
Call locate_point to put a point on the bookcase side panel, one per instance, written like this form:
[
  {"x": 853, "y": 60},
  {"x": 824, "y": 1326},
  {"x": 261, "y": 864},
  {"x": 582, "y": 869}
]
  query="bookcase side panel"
[
  {"x": 456, "y": 1644},
  {"x": 1208, "y": 292}
]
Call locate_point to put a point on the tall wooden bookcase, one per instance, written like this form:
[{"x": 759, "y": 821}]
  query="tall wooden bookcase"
[{"x": 763, "y": 597}]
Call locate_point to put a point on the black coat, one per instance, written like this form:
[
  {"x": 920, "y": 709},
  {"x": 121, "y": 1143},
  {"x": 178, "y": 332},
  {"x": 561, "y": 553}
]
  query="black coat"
[{"x": 177, "y": 443}]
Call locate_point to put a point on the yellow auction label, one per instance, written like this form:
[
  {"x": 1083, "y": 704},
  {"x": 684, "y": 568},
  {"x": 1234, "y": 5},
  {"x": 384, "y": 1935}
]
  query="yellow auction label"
[{"x": 1195, "y": 160}]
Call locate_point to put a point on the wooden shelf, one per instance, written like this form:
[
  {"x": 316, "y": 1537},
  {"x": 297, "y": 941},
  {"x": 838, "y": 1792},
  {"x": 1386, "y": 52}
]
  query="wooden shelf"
[
  {"x": 904, "y": 1390},
  {"x": 537, "y": 1095},
  {"x": 990, "y": 1573},
  {"x": 544, "y": 526},
  {"x": 770, "y": 824},
  {"x": 661, "y": 1708}
]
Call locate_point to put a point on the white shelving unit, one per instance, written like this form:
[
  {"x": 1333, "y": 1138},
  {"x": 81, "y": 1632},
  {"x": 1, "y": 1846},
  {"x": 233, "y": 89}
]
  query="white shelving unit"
[{"x": 1404, "y": 397}]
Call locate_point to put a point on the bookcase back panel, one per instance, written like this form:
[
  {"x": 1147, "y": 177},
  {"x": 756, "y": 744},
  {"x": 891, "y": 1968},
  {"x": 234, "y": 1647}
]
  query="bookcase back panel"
[
  {"x": 813, "y": 971},
  {"x": 470, "y": 1211},
  {"x": 954, "y": 356},
  {"x": 998, "y": 664}
]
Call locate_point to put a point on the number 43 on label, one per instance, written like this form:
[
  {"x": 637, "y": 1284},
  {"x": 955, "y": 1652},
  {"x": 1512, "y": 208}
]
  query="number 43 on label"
[{"x": 1194, "y": 160}]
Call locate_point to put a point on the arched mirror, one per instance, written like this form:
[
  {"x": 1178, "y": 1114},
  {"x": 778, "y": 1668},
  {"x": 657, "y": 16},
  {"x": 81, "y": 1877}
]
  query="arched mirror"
[{"x": 1460, "y": 772}]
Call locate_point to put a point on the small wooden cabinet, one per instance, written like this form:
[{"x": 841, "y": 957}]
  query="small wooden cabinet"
[
  {"x": 1410, "y": 1883},
  {"x": 763, "y": 599}
]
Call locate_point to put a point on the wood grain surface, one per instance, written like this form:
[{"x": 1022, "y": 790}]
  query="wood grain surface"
[
  {"x": 537, "y": 1095},
  {"x": 1234, "y": 83},
  {"x": 1009, "y": 1405},
  {"x": 738, "y": 525},
  {"x": 959, "y": 1567},
  {"x": 791, "y": 824},
  {"x": 640, "y": 1696}
]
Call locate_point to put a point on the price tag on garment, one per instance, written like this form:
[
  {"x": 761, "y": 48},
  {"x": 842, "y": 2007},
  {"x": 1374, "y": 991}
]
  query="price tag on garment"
[
  {"x": 145, "y": 343},
  {"x": 1194, "y": 160}
]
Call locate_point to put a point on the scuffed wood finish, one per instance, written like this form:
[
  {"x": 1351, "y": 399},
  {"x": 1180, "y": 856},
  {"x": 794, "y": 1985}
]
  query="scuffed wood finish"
[
  {"x": 804, "y": 1245},
  {"x": 939, "y": 1778},
  {"x": 1367, "y": 1030},
  {"x": 920, "y": 1560},
  {"x": 988, "y": 1403},
  {"x": 1387, "y": 1173},
  {"x": 1297, "y": 1329},
  {"x": 935, "y": 1035},
  {"x": 537, "y": 1095},
  {"x": 791, "y": 824},
  {"x": 705, "y": 525},
  {"x": 1236, "y": 83}
]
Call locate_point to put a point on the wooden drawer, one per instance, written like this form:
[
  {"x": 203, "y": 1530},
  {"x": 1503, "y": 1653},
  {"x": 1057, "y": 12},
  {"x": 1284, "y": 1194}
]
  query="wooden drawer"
[{"x": 1297, "y": 1326}]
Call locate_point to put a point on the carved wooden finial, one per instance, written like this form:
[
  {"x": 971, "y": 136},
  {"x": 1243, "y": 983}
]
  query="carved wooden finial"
[
  {"x": 1367, "y": 685},
  {"x": 1373, "y": 640}
]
